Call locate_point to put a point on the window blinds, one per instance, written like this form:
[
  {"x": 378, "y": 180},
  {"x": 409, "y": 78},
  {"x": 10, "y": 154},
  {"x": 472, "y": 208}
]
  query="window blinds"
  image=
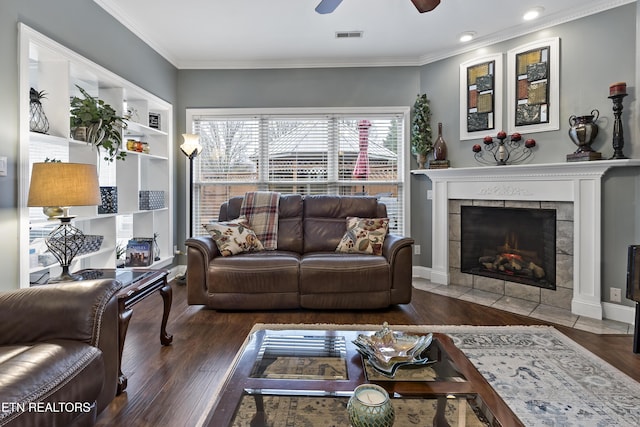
[{"x": 306, "y": 154}]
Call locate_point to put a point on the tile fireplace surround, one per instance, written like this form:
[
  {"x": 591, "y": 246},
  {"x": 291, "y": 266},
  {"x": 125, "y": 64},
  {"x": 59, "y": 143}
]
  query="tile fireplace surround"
[{"x": 573, "y": 189}]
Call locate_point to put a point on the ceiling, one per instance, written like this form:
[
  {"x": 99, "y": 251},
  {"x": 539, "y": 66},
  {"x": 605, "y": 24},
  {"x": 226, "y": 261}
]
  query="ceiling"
[{"x": 210, "y": 34}]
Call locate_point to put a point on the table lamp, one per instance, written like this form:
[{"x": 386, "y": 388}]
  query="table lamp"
[{"x": 65, "y": 185}]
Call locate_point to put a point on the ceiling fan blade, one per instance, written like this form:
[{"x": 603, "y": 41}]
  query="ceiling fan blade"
[
  {"x": 327, "y": 6},
  {"x": 425, "y": 5}
]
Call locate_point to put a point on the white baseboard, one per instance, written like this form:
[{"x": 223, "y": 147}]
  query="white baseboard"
[
  {"x": 587, "y": 308},
  {"x": 176, "y": 271},
  {"x": 421, "y": 272},
  {"x": 619, "y": 313}
]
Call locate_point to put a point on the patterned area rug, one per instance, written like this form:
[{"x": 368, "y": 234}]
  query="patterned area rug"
[
  {"x": 546, "y": 378},
  {"x": 549, "y": 380}
]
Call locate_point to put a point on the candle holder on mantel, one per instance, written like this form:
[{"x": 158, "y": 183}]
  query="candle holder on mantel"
[
  {"x": 503, "y": 153},
  {"x": 617, "y": 92}
]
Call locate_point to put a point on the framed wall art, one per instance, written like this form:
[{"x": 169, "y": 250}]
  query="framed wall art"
[
  {"x": 480, "y": 96},
  {"x": 533, "y": 86}
]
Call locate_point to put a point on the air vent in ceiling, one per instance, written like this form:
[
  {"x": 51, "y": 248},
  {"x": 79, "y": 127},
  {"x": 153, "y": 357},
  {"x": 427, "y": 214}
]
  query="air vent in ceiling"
[{"x": 348, "y": 34}]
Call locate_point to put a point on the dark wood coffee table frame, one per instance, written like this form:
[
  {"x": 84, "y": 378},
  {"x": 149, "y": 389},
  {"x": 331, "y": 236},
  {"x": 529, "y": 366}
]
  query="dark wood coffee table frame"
[{"x": 239, "y": 379}]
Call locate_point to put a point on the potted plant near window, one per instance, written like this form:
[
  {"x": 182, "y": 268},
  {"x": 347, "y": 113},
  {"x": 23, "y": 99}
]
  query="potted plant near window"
[
  {"x": 96, "y": 122},
  {"x": 421, "y": 136}
]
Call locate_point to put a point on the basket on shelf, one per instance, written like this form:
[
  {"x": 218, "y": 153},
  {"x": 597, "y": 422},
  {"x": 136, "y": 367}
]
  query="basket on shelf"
[
  {"x": 149, "y": 200},
  {"x": 92, "y": 243},
  {"x": 108, "y": 200}
]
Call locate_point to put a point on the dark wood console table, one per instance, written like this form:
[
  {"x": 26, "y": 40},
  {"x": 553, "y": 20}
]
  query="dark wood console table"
[{"x": 136, "y": 285}]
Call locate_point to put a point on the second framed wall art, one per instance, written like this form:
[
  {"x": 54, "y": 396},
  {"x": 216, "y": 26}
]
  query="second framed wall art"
[{"x": 533, "y": 83}]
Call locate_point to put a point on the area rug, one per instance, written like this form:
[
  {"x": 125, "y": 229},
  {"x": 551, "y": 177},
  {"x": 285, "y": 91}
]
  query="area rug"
[{"x": 546, "y": 378}]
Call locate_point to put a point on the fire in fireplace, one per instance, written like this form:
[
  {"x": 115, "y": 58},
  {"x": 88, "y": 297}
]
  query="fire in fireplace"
[{"x": 514, "y": 244}]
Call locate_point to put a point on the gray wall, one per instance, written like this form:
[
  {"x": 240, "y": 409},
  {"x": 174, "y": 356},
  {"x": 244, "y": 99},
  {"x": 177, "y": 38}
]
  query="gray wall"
[
  {"x": 82, "y": 26},
  {"x": 592, "y": 56},
  {"x": 326, "y": 87},
  {"x": 594, "y": 52}
]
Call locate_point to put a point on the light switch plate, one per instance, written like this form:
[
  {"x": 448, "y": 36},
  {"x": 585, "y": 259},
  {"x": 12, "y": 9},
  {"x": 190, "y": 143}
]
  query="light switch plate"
[{"x": 3, "y": 166}]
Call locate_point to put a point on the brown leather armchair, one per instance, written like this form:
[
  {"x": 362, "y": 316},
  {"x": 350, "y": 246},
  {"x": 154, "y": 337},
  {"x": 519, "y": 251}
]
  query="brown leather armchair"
[{"x": 58, "y": 353}]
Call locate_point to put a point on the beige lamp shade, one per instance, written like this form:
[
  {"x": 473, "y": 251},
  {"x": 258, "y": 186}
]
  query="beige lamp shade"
[{"x": 64, "y": 184}]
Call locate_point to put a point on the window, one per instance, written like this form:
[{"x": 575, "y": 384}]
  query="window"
[{"x": 299, "y": 151}]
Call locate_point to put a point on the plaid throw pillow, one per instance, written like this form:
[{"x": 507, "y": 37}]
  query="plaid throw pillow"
[
  {"x": 364, "y": 236},
  {"x": 261, "y": 210},
  {"x": 234, "y": 237}
]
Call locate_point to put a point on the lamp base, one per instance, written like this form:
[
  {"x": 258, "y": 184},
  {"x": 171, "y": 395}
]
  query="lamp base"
[
  {"x": 66, "y": 276},
  {"x": 64, "y": 242}
]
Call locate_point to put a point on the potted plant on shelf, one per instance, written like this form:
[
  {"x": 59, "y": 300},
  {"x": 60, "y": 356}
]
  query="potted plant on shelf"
[
  {"x": 96, "y": 122},
  {"x": 121, "y": 250},
  {"x": 421, "y": 136}
]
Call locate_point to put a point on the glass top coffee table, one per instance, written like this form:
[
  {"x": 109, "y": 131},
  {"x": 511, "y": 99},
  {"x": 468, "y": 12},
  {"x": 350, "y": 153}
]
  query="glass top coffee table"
[{"x": 306, "y": 377}]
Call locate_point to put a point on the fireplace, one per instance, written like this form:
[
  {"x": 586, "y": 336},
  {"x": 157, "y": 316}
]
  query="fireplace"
[
  {"x": 575, "y": 188},
  {"x": 513, "y": 244}
]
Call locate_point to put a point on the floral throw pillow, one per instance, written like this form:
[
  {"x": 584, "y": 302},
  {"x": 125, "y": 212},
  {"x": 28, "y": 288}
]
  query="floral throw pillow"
[
  {"x": 364, "y": 236},
  {"x": 234, "y": 237}
]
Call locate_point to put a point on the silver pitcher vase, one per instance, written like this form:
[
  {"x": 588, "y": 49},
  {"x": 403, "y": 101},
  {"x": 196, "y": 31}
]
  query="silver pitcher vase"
[{"x": 583, "y": 130}]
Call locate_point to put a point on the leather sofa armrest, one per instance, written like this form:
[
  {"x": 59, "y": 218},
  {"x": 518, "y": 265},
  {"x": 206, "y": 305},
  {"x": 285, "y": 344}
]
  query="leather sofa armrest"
[
  {"x": 205, "y": 245},
  {"x": 398, "y": 252},
  {"x": 392, "y": 245},
  {"x": 201, "y": 251},
  {"x": 71, "y": 310}
]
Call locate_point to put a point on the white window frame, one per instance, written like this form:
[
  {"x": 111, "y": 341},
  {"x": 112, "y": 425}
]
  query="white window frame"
[{"x": 403, "y": 159}]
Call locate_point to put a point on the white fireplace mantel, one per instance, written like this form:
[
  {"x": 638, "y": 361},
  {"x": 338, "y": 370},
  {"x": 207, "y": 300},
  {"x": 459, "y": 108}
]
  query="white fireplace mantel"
[{"x": 578, "y": 182}]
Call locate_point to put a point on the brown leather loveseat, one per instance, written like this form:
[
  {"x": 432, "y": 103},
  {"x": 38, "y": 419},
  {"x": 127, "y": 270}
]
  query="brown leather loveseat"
[
  {"x": 305, "y": 270},
  {"x": 58, "y": 353}
]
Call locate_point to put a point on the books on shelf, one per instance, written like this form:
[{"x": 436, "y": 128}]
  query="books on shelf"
[{"x": 139, "y": 252}]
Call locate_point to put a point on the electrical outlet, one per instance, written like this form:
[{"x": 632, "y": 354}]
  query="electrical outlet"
[
  {"x": 416, "y": 249},
  {"x": 615, "y": 295}
]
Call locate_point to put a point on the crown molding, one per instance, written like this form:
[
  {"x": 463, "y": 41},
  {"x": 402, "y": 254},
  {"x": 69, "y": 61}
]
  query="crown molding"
[
  {"x": 519, "y": 30},
  {"x": 119, "y": 14},
  {"x": 405, "y": 61},
  {"x": 303, "y": 63}
]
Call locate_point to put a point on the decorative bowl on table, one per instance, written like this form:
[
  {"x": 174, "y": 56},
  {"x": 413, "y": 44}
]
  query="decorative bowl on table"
[{"x": 387, "y": 350}]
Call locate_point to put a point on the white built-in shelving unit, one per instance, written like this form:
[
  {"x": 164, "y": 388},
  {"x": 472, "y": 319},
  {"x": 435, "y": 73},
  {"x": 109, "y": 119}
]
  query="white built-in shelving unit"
[{"x": 47, "y": 66}]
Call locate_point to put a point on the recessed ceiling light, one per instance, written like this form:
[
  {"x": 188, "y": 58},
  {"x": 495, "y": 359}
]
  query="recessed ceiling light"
[
  {"x": 533, "y": 13},
  {"x": 467, "y": 36}
]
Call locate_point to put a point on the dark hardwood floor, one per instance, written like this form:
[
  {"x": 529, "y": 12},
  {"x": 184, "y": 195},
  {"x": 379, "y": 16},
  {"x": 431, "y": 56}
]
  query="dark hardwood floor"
[{"x": 172, "y": 386}]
